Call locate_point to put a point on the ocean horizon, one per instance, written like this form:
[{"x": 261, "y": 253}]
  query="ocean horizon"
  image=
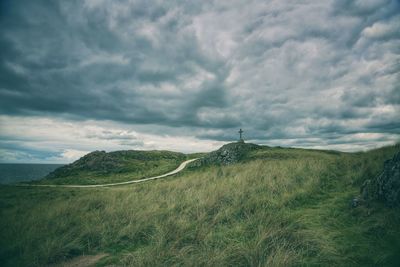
[{"x": 23, "y": 172}]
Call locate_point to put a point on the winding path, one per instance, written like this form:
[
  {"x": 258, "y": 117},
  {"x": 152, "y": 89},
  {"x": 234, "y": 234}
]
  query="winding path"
[{"x": 180, "y": 168}]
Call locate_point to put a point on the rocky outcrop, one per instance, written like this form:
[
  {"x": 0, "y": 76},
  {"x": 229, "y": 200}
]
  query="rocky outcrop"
[
  {"x": 228, "y": 154},
  {"x": 386, "y": 186}
]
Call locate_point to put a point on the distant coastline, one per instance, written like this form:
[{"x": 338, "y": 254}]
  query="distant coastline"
[{"x": 22, "y": 172}]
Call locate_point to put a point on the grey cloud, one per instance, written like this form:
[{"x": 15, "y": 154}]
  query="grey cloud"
[
  {"x": 281, "y": 70},
  {"x": 124, "y": 138},
  {"x": 59, "y": 81}
]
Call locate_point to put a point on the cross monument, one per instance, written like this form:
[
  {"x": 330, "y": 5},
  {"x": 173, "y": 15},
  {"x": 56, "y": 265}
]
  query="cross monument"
[{"x": 240, "y": 134}]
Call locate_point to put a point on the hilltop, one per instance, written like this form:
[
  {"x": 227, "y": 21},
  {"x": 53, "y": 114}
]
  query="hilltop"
[
  {"x": 230, "y": 153},
  {"x": 118, "y": 166}
]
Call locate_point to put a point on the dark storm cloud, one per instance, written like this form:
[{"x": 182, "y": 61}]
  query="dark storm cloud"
[
  {"x": 70, "y": 58},
  {"x": 280, "y": 69}
]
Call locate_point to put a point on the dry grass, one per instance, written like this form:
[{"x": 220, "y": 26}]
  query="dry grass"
[{"x": 282, "y": 207}]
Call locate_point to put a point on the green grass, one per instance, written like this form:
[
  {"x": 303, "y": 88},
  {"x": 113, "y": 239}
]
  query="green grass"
[
  {"x": 280, "y": 207},
  {"x": 121, "y": 166}
]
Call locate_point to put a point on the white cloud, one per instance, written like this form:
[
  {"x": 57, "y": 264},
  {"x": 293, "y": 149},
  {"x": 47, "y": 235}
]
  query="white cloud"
[
  {"x": 383, "y": 29},
  {"x": 64, "y": 141}
]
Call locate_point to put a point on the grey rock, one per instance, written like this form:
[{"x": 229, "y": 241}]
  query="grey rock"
[
  {"x": 386, "y": 186},
  {"x": 355, "y": 202},
  {"x": 228, "y": 154}
]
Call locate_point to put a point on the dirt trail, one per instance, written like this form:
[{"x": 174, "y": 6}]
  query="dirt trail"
[
  {"x": 180, "y": 168},
  {"x": 81, "y": 261}
]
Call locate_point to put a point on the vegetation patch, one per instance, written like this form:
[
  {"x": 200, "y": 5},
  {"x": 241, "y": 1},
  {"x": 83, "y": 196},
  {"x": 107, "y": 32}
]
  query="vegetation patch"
[{"x": 289, "y": 210}]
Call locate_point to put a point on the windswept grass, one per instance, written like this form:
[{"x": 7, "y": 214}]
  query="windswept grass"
[{"x": 281, "y": 207}]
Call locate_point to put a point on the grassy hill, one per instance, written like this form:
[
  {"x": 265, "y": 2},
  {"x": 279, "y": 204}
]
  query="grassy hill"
[
  {"x": 119, "y": 166},
  {"x": 275, "y": 207}
]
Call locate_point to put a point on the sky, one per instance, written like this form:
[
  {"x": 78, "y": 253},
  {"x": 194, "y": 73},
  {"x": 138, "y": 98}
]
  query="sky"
[{"x": 84, "y": 75}]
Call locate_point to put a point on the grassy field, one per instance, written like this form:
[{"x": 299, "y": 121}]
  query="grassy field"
[{"x": 279, "y": 207}]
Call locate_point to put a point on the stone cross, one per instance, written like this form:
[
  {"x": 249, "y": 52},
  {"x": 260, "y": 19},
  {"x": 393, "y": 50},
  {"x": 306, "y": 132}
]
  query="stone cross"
[{"x": 240, "y": 134}]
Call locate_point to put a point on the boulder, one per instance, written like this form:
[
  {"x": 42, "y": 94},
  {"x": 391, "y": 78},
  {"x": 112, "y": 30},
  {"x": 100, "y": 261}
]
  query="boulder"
[
  {"x": 386, "y": 186},
  {"x": 229, "y": 154}
]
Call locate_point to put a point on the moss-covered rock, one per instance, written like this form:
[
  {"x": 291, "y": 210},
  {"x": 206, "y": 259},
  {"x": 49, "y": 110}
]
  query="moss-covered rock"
[
  {"x": 229, "y": 154},
  {"x": 386, "y": 186}
]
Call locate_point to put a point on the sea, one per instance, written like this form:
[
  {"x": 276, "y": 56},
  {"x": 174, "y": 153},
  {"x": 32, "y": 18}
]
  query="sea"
[{"x": 20, "y": 172}]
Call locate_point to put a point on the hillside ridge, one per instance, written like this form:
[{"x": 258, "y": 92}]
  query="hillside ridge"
[{"x": 100, "y": 167}]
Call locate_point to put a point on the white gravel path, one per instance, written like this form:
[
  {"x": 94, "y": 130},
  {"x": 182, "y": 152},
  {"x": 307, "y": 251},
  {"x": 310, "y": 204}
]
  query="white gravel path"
[{"x": 180, "y": 168}]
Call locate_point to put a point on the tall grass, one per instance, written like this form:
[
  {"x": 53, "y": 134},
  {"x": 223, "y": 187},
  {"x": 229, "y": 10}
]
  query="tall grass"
[{"x": 281, "y": 207}]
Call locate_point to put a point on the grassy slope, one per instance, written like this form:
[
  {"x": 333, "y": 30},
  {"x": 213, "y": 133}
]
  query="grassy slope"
[
  {"x": 281, "y": 207},
  {"x": 136, "y": 165}
]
